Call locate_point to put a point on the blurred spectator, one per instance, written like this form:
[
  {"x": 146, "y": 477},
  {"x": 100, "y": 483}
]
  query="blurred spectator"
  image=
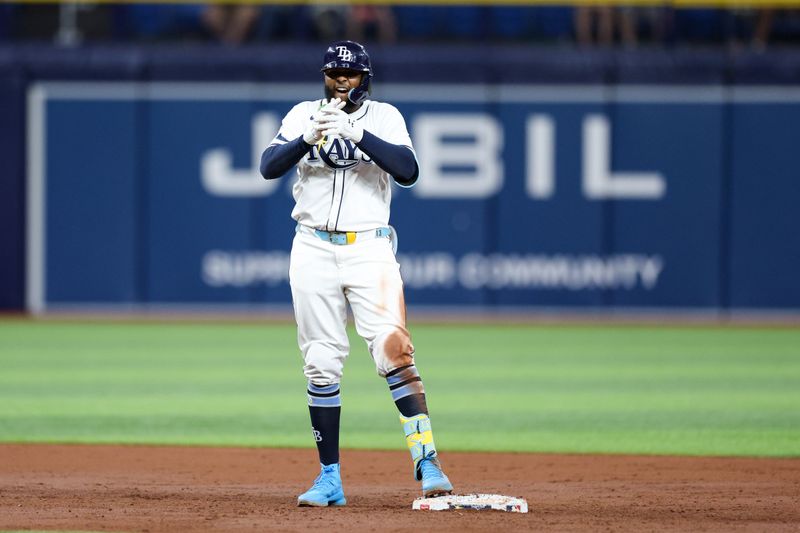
[
  {"x": 329, "y": 21},
  {"x": 750, "y": 27},
  {"x": 738, "y": 26},
  {"x": 764, "y": 23},
  {"x": 67, "y": 23},
  {"x": 778, "y": 26},
  {"x": 75, "y": 22},
  {"x": 231, "y": 23},
  {"x": 644, "y": 24},
  {"x": 226, "y": 23},
  {"x": 284, "y": 23},
  {"x": 372, "y": 23},
  {"x": 628, "y": 25},
  {"x": 594, "y": 24}
]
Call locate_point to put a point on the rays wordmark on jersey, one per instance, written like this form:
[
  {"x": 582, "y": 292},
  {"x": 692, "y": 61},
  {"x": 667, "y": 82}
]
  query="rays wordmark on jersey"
[{"x": 340, "y": 154}]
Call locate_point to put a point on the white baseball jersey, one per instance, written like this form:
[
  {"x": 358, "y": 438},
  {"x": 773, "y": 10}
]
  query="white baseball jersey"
[{"x": 338, "y": 187}]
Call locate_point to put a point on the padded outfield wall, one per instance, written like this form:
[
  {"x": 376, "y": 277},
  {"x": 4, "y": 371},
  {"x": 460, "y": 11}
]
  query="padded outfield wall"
[{"x": 548, "y": 177}]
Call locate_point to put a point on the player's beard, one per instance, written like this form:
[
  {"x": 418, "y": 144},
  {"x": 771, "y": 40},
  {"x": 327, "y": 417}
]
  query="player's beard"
[{"x": 349, "y": 107}]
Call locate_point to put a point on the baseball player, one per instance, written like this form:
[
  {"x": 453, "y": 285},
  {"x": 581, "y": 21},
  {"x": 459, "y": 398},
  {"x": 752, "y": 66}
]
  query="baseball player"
[{"x": 348, "y": 149}]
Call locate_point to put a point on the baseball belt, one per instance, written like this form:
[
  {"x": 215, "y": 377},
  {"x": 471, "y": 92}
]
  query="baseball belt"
[{"x": 345, "y": 237}]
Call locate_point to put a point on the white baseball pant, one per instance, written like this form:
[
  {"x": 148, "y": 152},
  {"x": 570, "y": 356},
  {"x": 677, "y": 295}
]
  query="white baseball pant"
[{"x": 324, "y": 277}]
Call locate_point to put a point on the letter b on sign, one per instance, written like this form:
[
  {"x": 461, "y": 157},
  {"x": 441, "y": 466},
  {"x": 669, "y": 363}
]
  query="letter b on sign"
[{"x": 459, "y": 155}]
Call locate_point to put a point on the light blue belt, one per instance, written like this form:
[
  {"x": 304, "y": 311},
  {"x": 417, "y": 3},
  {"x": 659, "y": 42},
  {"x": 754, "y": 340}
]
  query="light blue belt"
[{"x": 345, "y": 237}]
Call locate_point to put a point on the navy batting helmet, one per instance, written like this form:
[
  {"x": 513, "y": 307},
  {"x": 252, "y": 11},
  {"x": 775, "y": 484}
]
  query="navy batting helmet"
[{"x": 352, "y": 56}]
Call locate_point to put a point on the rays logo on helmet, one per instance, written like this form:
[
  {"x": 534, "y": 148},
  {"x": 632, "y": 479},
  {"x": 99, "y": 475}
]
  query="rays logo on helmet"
[{"x": 344, "y": 54}]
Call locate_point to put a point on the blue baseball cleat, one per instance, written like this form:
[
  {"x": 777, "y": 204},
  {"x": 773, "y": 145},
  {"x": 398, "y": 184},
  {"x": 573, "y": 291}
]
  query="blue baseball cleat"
[
  {"x": 326, "y": 490},
  {"x": 434, "y": 482}
]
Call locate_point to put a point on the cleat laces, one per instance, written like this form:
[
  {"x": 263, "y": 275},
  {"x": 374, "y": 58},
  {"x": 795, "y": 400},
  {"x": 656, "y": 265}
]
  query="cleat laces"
[
  {"x": 325, "y": 481},
  {"x": 430, "y": 469}
]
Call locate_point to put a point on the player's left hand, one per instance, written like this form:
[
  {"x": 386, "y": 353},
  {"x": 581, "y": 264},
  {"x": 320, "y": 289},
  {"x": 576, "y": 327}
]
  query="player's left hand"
[
  {"x": 312, "y": 134},
  {"x": 334, "y": 121}
]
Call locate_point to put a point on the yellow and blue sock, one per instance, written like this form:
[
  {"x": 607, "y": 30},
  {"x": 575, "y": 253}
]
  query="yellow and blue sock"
[
  {"x": 419, "y": 438},
  {"x": 408, "y": 394}
]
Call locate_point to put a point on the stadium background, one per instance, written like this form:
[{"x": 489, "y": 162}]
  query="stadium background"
[{"x": 564, "y": 171}]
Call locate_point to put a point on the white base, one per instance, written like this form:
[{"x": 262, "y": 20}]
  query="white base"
[{"x": 496, "y": 502}]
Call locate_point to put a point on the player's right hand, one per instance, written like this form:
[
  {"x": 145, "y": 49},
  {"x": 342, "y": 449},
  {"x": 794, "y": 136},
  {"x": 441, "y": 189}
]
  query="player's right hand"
[{"x": 313, "y": 134}]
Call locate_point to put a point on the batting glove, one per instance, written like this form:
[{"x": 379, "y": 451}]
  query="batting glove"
[
  {"x": 313, "y": 133},
  {"x": 334, "y": 121}
]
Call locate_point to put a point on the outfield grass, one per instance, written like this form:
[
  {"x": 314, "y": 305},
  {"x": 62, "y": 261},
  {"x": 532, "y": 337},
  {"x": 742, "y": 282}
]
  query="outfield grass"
[{"x": 670, "y": 390}]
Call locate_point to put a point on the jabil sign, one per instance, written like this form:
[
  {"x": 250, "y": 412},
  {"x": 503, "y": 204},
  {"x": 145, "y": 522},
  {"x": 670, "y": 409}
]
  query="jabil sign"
[{"x": 469, "y": 169}]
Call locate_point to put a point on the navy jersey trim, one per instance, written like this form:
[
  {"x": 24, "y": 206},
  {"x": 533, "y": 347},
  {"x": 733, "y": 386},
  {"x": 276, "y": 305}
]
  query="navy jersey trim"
[{"x": 364, "y": 114}]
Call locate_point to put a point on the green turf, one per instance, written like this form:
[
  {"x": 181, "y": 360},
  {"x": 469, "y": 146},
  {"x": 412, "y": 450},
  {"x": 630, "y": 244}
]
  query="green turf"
[{"x": 720, "y": 391}]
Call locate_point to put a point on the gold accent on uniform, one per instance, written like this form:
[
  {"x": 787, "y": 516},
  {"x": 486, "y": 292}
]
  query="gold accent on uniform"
[
  {"x": 351, "y": 237},
  {"x": 415, "y": 439},
  {"x": 419, "y": 438}
]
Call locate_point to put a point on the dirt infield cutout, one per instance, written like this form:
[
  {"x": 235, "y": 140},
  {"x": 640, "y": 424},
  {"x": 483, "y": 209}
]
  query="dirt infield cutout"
[{"x": 170, "y": 489}]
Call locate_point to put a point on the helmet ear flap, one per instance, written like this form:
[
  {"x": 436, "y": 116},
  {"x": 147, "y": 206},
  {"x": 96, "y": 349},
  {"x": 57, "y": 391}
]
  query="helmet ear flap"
[{"x": 360, "y": 93}]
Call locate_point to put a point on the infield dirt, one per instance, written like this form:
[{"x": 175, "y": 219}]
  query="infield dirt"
[{"x": 177, "y": 489}]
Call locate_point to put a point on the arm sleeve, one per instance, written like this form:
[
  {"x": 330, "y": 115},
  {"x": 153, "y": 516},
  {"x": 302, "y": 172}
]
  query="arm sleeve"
[
  {"x": 279, "y": 158},
  {"x": 397, "y": 160},
  {"x": 282, "y": 154}
]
